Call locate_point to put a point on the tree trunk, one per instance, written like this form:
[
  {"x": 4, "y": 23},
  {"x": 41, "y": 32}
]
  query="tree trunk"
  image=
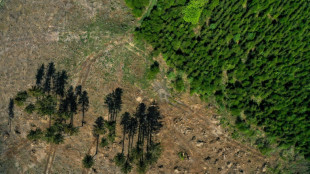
[
  {"x": 123, "y": 139},
  {"x": 128, "y": 150},
  {"x": 83, "y": 110},
  {"x": 97, "y": 144},
  {"x": 71, "y": 120},
  {"x": 50, "y": 120}
]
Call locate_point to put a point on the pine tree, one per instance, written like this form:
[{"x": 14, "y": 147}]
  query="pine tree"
[
  {"x": 84, "y": 102},
  {"x": 125, "y": 122},
  {"x": 39, "y": 75},
  {"x": 11, "y": 113},
  {"x": 88, "y": 161},
  {"x": 98, "y": 129}
]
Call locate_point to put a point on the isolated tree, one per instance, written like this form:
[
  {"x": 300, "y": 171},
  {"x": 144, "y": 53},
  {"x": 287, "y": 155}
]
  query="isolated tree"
[
  {"x": 88, "y": 161},
  {"x": 84, "y": 102},
  {"x": 125, "y": 122},
  {"x": 98, "y": 129},
  {"x": 39, "y": 76},
  {"x": 11, "y": 113}
]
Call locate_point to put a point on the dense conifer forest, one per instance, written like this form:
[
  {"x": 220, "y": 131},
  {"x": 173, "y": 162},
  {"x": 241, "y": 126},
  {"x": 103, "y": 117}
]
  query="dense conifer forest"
[{"x": 251, "y": 55}]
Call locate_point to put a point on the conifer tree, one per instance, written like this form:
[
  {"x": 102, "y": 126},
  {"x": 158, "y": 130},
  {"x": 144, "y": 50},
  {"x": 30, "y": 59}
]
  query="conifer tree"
[
  {"x": 84, "y": 102},
  {"x": 98, "y": 129},
  {"x": 11, "y": 113},
  {"x": 125, "y": 122},
  {"x": 40, "y": 75}
]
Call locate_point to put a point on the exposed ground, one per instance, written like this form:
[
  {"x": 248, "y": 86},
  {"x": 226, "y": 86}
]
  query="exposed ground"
[{"x": 92, "y": 40}]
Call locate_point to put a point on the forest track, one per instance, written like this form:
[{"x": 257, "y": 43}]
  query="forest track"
[
  {"x": 50, "y": 158},
  {"x": 86, "y": 65}
]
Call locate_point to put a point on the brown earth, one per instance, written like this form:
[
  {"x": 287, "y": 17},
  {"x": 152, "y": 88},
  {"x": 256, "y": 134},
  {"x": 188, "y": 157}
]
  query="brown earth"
[{"x": 36, "y": 32}]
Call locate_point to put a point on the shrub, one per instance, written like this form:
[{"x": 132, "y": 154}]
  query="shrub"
[
  {"x": 88, "y": 161},
  {"x": 21, "y": 98},
  {"x": 35, "y": 134},
  {"x": 30, "y": 108},
  {"x": 104, "y": 142},
  {"x": 153, "y": 71},
  {"x": 119, "y": 159}
]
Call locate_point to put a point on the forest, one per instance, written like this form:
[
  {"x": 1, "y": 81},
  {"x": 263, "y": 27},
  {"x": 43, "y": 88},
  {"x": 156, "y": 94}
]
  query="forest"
[
  {"x": 251, "y": 56},
  {"x": 52, "y": 99}
]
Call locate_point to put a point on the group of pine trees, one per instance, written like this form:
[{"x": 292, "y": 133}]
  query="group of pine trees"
[
  {"x": 50, "y": 97},
  {"x": 253, "y": 56},
  {"x": 138, "y": 130}
]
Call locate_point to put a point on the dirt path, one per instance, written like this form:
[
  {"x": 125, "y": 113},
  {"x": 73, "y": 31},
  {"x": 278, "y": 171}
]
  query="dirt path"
[
  {"x": 86, "y": 65},
  {"x": 50, "y": 158}
]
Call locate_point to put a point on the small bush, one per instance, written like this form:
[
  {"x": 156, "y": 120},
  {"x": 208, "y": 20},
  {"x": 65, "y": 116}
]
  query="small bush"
[
  {"x": 179, "y": 84},
  {"x": 21, "y": 98},
  {"x": 111, "y": 137},
  {"x": 126, "y": 168},
  {"x": 119, "y": 159},
  {"x": 35, "y": 134},
  {"x": 88, "y": 161},
  {"x": 104, "y": 142},
  {"x": 153, "y": 71},
  {"x": 30, "y": 108}
]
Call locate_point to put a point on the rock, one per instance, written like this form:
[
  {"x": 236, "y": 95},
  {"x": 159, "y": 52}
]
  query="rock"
[
  {"x": 229, "y": 164},
  {"x": 200, "y": 143},
  {"x": 208, "y": 158}
]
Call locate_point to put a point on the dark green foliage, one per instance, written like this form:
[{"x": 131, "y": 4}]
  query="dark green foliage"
[
  {"x": 104, "y": 142},
  {"x": 53, "y": 135},
  {"x": 98, "y": 129},
  {"x": 60, "y": 82},
  {"x": 114, "y": 103},
  {"x": 11, "y": 109},
  {"x": 119, "y": 159},
  {"x": 70, "y": 130},
  {"x": 153, "y": 153},
  {"x": 153, "y": 71},
  {"x": 145, "y": 123},
  {"x": 253, "y": 56},
  {"x": 21, "y": 98},
  {"x": 34, "y": 135},
  {"x": 36, "y": 92},
  {"x": 46, "y": 106},
  {"x": 137, "y": 6},
  {"x": 30, "y": 108},
  {"x": 127, "y": 167},
  {"x": 88, "y": 161},
  {"x": 84, "y": 102},
  {"x": 40, "y": 75},
  {"x": 178, "y": 84}
]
